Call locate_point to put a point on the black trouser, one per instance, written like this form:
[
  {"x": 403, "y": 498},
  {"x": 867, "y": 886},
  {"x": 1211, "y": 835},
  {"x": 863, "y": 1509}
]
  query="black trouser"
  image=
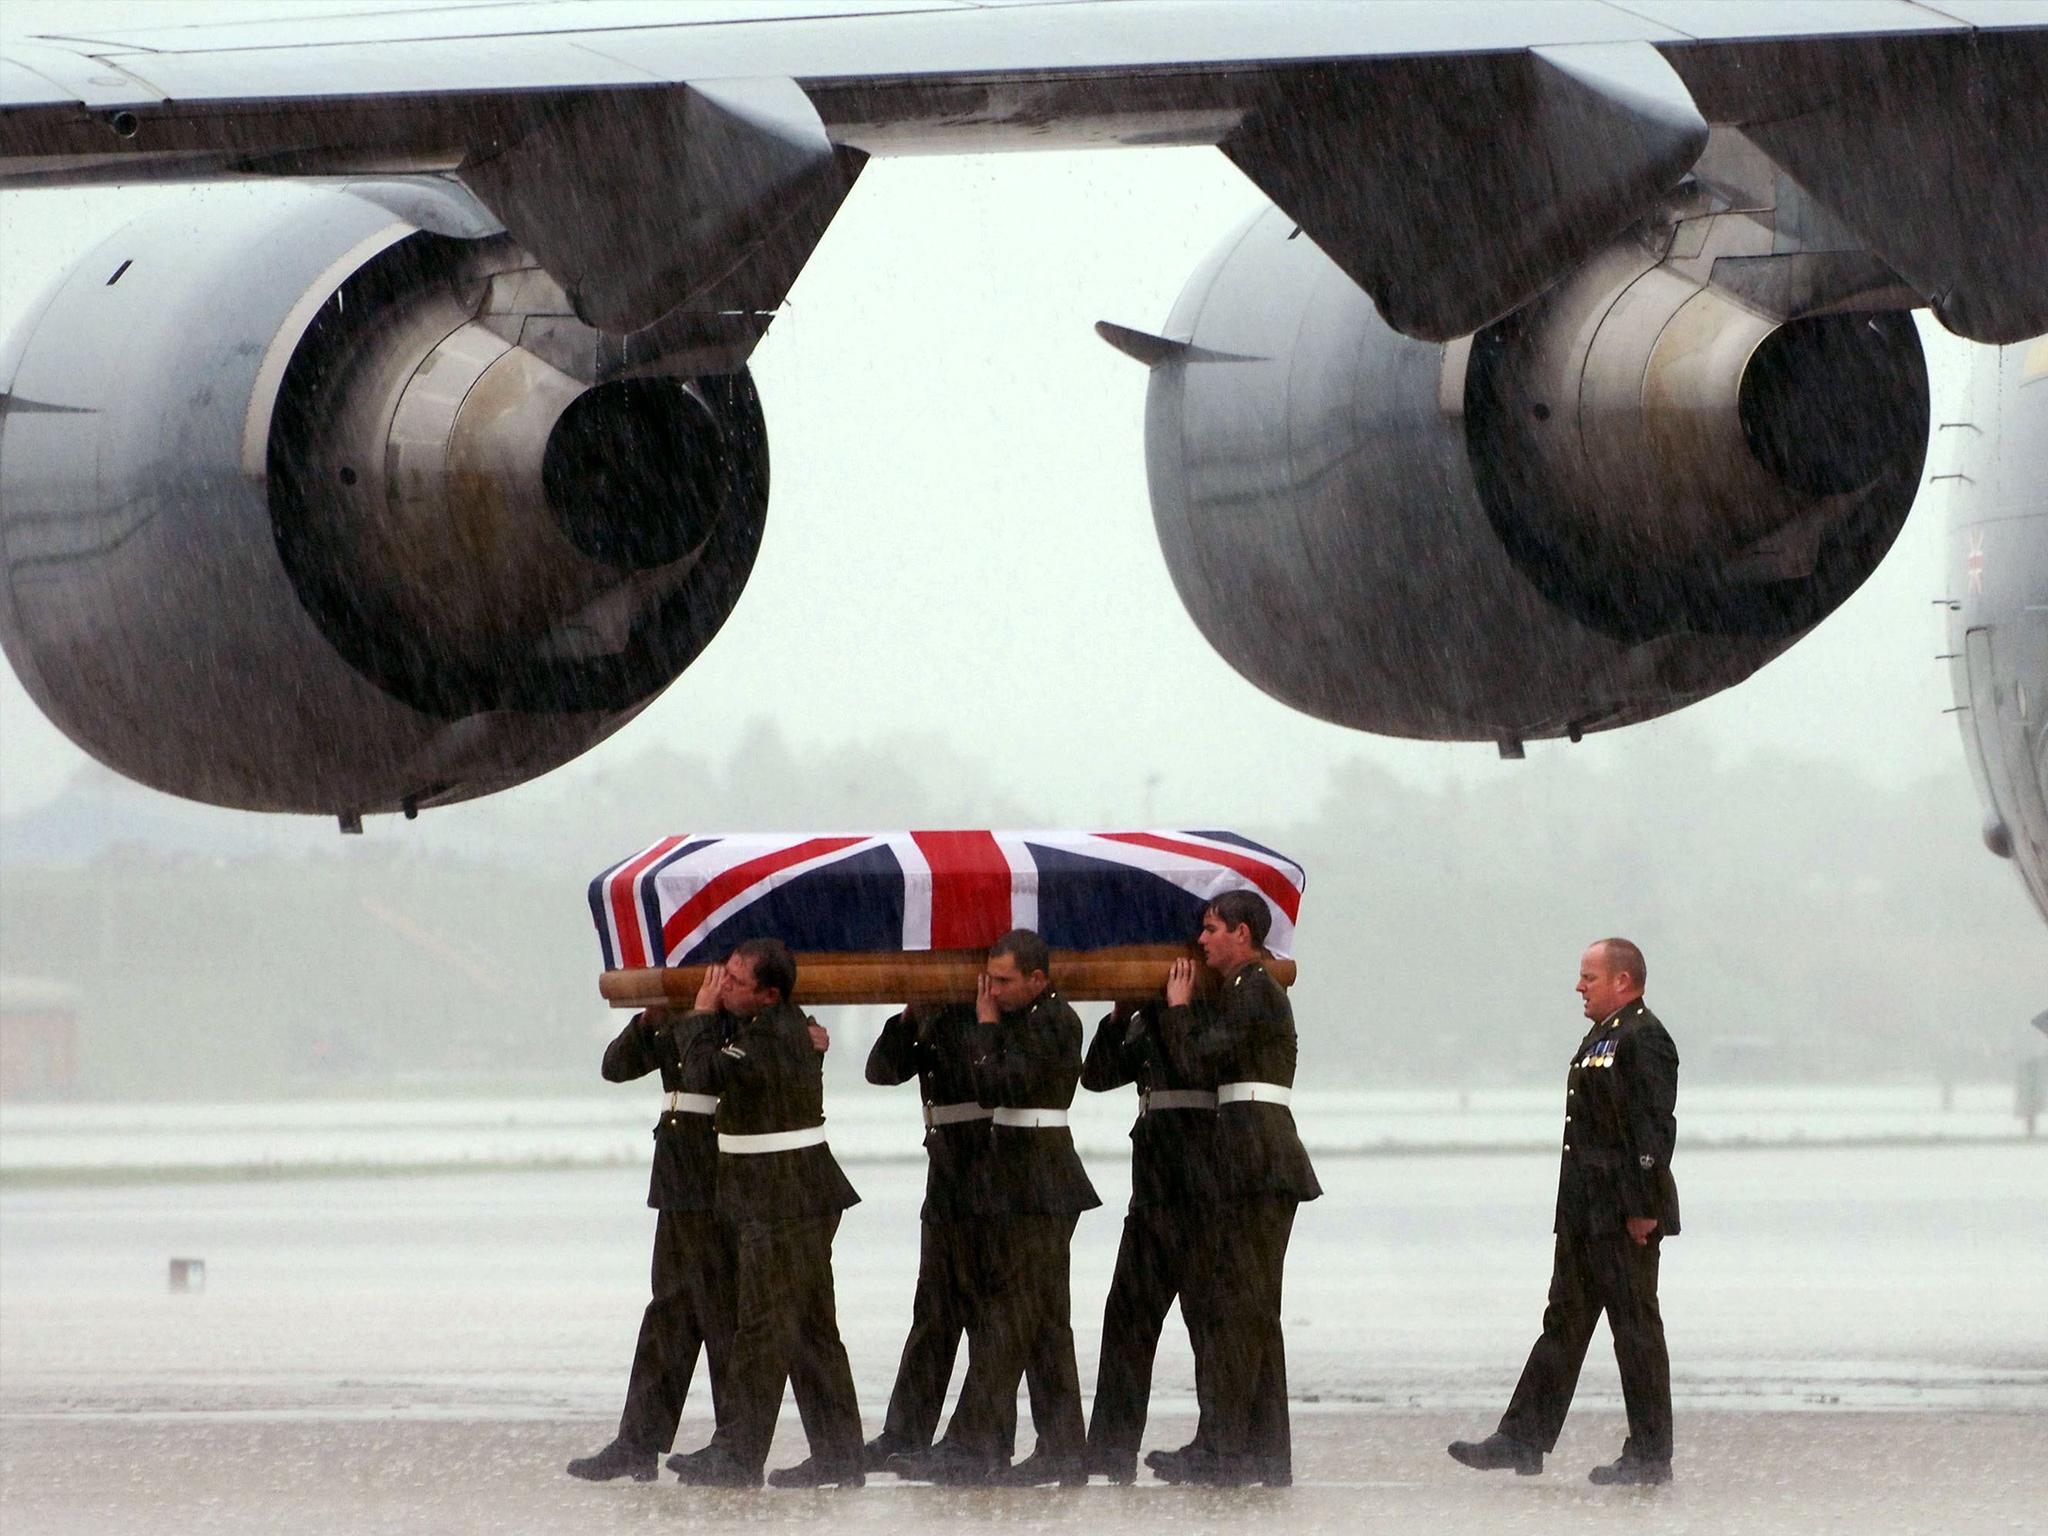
[
  {"x": 1154, "y": 1264},
  {"x": 1241, "y": 1372},
  {"x": 788, "y": 1330},
  {"x": 940, "y": 1312},
  {"x": 1590, "y": 1275},
  {"x": 1022, "y": 1326},
  {"x": 691, "y": 1309}
]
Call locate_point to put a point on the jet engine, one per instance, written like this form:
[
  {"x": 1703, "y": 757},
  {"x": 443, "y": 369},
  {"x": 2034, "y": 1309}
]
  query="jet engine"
[
  {"x": 1619, "y": 500},
  {"x": 310, "y": 505}
]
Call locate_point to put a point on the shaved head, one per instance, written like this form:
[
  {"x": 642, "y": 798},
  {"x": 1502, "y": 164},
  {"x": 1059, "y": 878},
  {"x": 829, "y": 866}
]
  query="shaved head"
[
  {"x": 1610, "y": 977},
  {"x": 1622, "y": 956}
]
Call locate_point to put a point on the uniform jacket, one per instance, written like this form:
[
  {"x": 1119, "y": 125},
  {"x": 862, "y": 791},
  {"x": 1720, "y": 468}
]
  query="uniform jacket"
[
  {"x": 1246, "y": 1036},
  {"x": 1621, "y": 1097},
  {"x": 938, "y": 1047},
  {"x": 768, "y": 1078},
  {"x": 685, "y": 1176},
  {"x": 1033, "y": 1062},
  {"x": 1172, "y": 1150}
]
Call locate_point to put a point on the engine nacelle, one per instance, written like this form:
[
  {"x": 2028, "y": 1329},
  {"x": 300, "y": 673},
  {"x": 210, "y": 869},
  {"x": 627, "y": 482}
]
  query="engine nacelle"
[
  {"x": 309, "y": 508},
  {"x": 1619, "y": 500}
]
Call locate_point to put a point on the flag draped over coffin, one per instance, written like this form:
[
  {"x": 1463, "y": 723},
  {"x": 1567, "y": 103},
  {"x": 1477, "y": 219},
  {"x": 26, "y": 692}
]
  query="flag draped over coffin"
[{"x": 689, "y": 899}]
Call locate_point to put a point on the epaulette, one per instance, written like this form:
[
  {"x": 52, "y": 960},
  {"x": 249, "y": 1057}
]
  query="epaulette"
[{"x": 1259, "y": 973}]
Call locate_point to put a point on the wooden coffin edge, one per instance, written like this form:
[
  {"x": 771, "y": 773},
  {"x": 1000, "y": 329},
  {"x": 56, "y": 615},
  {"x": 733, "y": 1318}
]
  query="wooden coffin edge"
[{"x": 1131, "y": 971}]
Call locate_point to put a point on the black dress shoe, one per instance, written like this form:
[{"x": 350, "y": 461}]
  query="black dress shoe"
[
  {"x": 874, "y": 1456},
  {"x": 813, "y": 1473},
  {"x": 1498, "y": 1453},
  {"x": 1120, "y": 1467},
  {"x": 1631, "y": 1471},
  {"x": 1190, "y": 1464},
  {"x": 616, "y": 1460},
  {"x": 946, "y": 1465},
  {"x": 713, "y": 1467},
  {"x": 1157, "y": 1459},
  {"x": 1227, "y": 1471},
  {"x": 1041, "y": 1469}
]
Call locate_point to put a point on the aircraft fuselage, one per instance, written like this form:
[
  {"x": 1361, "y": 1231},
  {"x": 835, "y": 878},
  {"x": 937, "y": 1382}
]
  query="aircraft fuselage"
[{"x": 1998, "y": 608}]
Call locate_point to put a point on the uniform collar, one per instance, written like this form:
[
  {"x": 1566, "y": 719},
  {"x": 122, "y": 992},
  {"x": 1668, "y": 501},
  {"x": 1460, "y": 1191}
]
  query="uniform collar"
[
  {"x": 1633, "y": 1009},
  {"x": 1049, "y": 995}
]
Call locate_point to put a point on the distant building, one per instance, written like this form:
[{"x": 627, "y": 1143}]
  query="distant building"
[{"x": 38, "y": 1038}]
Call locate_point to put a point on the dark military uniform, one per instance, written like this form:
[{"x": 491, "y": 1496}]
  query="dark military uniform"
[
  {"x": 938, "y": 1047},
  {"x": 1033, "y": 1192},
  {"x": 784, "y": 1197},
  {"x": 1619, "y": 1131},
  {"x": 1245, "y": 1044},
  {"x": 692, "y": 1304},
  {"x": 1172, "y": 1191}
]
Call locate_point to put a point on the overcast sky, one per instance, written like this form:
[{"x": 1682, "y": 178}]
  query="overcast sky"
[{"x": 960, "y": 540}]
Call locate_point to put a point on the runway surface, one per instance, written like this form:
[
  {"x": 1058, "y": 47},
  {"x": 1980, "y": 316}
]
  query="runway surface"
[{"x": 1859, "y": 1341}]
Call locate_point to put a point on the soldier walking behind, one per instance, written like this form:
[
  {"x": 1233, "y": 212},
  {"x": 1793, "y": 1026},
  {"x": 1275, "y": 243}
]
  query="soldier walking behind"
[
  {"x": 1616, "y": 1203},
  {"x": 691, "y": 1309},
  {"x": 1172, "y": 1190},
  {"x": 937, "y": 1046},
  {"x": 1033, "y": 1194},
  {"x": 780, "y": 1186},
  {"x": 1245, "y": 1044}
]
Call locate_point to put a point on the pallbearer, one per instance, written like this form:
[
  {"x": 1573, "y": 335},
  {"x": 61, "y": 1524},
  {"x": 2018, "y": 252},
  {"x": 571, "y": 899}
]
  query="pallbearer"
[
  {"x": 1033, "y": 1194},
  {"x": 1172, "y": 1193},
  {"x": 1245, "y": 1044},
  {"x": 691, "y": 1310},
  {"x": 938, "y": 1046},
  {"x": 780, "y": 1186}
]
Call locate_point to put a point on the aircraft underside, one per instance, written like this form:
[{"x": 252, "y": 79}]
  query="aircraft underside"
[{"x": 1569, "y": 379}]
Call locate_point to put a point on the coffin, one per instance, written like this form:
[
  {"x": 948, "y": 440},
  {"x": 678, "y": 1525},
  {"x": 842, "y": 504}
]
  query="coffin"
[{"x": 896, "y": 917}]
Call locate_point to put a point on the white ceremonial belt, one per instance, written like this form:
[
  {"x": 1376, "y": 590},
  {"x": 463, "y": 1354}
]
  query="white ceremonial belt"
[
  {"x": 772, "y": 1141},
  {"x": 1031, "y": 1119},
  {"x": 693, "y": 1103},
  {"x": 1178, "y": 1098},
  {"x": 953, "y": 1114},
  {"x": 1254, "y": 1093}
]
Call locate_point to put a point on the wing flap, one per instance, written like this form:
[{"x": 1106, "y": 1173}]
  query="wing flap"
[
  {"x": 1932, "y": 150},
  {"x": 641, "y": 202},
  {"x": 1506, "y": 172}
]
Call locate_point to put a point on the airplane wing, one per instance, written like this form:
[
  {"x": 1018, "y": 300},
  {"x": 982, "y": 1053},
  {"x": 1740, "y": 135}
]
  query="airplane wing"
[
  {"x": 1453, "y": 157},
  {"x": 1582, "y": 393}
]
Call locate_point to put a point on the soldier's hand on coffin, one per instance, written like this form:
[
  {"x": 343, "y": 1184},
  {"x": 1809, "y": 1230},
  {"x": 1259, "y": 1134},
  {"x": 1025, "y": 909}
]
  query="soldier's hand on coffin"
[
  {"x": 985, "y": 1008},
  {"x": 1180, "y": 984},
  {"x": 1640, "y": 1228},
  {"x": 709, "y": 988},
  {"x": 821, "y": 1037}
]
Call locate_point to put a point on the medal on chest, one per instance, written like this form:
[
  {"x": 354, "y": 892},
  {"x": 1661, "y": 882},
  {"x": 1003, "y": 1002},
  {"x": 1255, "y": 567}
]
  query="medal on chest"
[{"x": 1599, "y": 1054}]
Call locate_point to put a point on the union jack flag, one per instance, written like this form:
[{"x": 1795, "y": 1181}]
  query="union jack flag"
[{"x": 690, "y": 899}]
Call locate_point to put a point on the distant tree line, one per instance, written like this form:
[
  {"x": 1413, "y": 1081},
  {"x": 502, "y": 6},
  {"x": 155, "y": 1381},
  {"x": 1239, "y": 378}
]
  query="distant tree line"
[{"x": 1802, "y": 921}]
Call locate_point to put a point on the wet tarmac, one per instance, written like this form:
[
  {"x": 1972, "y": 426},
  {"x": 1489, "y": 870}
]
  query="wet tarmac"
[
  {"x": 1859, "y": 1341},
  {"x": 1752, "y": 1473}
]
